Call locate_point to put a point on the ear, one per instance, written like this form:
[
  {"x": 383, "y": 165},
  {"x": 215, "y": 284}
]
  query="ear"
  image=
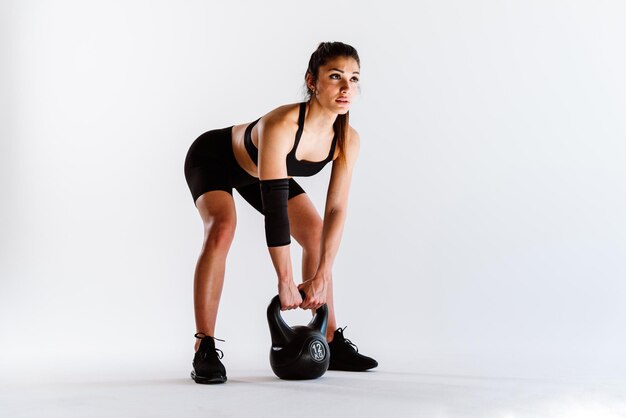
[{"x": 310, "y": 81}]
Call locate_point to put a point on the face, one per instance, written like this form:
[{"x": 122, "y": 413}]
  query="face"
[{"x": 337, "y": 84}]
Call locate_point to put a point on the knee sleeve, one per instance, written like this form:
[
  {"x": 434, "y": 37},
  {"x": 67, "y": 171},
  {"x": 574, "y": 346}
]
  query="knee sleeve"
[{"x": 274, "y": 196}]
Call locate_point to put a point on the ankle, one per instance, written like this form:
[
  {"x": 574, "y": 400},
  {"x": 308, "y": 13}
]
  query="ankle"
[{"x": 199, "y": 336}]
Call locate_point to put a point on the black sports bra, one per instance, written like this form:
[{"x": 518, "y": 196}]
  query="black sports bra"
[{"x": 294, "y": 167}]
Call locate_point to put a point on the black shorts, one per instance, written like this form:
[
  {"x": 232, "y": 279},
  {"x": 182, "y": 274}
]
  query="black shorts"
[{"x": 211, "y": 165}]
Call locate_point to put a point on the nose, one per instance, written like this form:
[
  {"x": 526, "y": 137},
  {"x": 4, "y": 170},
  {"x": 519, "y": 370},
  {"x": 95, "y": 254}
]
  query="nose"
[{"x": 345, "y": 87}]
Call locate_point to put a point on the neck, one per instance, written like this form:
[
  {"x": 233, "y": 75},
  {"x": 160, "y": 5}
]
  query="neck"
[{"x": 319, "y": 120}]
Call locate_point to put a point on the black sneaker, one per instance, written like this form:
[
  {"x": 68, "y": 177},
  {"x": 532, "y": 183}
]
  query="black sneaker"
[
  {"x": 344, "y": 355},
  {"x": 207, "y": 367}
]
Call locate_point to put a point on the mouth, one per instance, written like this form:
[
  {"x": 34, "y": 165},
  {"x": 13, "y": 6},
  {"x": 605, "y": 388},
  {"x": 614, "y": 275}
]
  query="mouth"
[{"x": 343, "y": 100}]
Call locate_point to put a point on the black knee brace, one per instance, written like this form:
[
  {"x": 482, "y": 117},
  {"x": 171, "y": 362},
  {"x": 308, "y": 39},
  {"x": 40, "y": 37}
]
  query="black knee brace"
[{"x": 274, "y": 196}]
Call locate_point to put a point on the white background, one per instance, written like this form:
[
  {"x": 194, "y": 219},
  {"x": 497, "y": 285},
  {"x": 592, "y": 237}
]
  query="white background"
[{"x": 486, "y": 225}]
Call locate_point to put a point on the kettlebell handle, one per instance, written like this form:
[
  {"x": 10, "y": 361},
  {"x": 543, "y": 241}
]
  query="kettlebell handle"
[
  {"x": 276, "y": 299},
  {"x": 282, "y": 333}
]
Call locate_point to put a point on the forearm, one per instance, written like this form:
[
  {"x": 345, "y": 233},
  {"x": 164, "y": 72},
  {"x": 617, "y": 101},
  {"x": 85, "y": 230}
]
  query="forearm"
[
  {"x": 331, "y": 237},
  {"x": 274, "y": 197},
  {"x": 281, "y": 258}
]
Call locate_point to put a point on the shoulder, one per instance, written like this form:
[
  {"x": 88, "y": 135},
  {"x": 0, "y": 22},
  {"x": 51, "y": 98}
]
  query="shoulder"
[
  {"x": 284, "y": 117},
  {"x": 353, "y": 138},
  {"x": 351, "y": 146},
  {"x": 277, "y": 129}
]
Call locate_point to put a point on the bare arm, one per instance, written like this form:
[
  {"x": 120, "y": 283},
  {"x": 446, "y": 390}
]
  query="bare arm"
[{"x": 335, "y": 213}]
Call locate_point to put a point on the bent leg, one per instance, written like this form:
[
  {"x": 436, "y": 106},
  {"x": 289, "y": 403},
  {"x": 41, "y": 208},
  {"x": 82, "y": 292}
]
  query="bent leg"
[{"x": 217, "y": 210}]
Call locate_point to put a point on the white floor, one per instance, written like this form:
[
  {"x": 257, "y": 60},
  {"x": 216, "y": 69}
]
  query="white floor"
[{"x": 258, "y": 393}]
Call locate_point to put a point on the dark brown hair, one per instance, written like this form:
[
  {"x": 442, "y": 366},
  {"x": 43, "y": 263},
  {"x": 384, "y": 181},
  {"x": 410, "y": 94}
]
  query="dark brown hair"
[{"x": 324, "y": 53}]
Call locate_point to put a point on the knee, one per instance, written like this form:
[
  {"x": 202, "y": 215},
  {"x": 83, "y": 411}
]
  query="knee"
[
  {"x": 220, "y": 234},
  {"x": 313, "y": 237}
]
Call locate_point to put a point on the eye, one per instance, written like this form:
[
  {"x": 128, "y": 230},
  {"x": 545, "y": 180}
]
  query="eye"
[
  {"x": 355, "y": 79},
  {"x": 333, "y": 76}
]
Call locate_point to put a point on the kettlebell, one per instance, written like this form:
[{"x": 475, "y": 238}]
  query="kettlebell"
[{"x": 298, "y": 352}]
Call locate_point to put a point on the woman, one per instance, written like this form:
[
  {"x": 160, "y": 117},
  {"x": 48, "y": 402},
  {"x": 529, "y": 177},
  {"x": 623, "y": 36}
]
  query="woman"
[{"x": 259, "y": 159}]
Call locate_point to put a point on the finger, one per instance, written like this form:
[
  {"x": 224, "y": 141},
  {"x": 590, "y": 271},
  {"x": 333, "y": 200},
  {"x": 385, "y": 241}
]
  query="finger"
[{"x": 287, "y": 307}]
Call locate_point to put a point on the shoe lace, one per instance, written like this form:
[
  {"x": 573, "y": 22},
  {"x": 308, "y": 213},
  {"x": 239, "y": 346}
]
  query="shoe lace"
[
  {"x": 205, "y": 354},
  {"x": 350, "y": 343}
]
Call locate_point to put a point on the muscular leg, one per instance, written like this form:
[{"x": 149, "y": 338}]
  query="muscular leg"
[
  {"x": 306, "y": 228},
  {"x": 217, "y": 210}
]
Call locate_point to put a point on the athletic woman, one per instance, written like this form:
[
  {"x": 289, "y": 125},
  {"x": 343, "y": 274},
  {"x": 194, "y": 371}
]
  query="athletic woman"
[{"x": 259, "y": 160}]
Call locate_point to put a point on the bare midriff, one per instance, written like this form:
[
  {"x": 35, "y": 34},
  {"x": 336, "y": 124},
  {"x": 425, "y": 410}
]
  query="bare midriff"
[{"x": 241, "y": 154}]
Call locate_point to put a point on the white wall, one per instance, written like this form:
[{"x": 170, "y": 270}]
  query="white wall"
[{"x": 485, "y": 232}]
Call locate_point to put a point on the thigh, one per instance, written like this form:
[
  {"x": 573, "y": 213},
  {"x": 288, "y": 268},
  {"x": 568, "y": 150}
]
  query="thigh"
[{"x": 305, "y": 224}]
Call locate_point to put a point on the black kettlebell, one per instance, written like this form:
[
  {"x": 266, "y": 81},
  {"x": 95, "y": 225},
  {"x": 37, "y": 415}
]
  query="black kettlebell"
[{"x": 299, "y": 352}]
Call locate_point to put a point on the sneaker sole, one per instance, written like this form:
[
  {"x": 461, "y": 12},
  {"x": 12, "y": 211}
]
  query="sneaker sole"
[
  {"x": 351, "y": 369},
  {"x": 207, "y": 380}
]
